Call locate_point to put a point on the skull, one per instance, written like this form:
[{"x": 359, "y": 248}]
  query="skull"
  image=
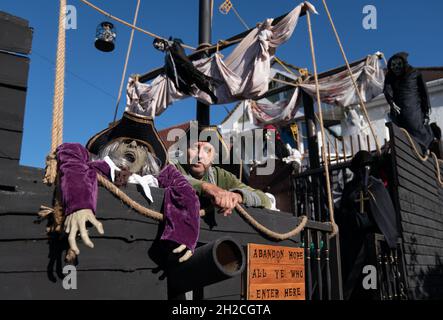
[
  {"x": 160, "y": 45},
  {"x": 397, "y": 66}
]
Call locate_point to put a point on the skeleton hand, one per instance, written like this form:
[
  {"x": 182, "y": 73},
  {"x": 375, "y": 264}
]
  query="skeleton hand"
[
  {"x": 77, "y": 222},
  {"x": 187, "y": 254},
  {"x": 396, "y": 108}
]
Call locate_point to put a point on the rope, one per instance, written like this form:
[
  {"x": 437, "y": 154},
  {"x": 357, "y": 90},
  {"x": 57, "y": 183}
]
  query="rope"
[
  {"x": 362, "y": 103},
  {"x": 270, "y": 233},
  {"x": 128, "y": 201},
  {"x": 58, "y": 102},
  {"x": 425, "y": 158},
  {"x": 323, "y": 152},
  {"x": 240, "y": 18},
  {"x": 127, "y": 23},
  {"x": 128, "y": 53}
]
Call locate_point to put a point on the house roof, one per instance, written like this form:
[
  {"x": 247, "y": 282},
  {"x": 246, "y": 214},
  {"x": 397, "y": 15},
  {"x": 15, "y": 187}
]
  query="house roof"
[
  {"x": 431, "y": 73},
  {"x": 164, "y": 133}
]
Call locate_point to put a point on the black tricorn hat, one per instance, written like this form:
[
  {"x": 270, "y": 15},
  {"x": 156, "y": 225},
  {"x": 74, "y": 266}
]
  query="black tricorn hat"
[
  {"x": 360, "y": 160},
  {"x": 131, "y": 126}
]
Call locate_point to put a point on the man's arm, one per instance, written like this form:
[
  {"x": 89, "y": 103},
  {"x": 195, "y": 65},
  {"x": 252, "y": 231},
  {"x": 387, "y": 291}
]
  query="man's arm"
[{"x": 251, "y": 197}]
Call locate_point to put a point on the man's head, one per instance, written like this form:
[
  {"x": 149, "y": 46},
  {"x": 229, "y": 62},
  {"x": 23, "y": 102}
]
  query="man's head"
[
  {"x": 131, "y": 155},
  {"x": 201, "y": 155}
]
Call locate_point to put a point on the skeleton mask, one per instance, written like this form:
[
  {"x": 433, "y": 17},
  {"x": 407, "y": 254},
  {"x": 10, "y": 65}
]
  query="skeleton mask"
[
  {"x": 397, "y": 66},
  {"x": 130, "y": 155},
  {"x": 160, "y": 45}
]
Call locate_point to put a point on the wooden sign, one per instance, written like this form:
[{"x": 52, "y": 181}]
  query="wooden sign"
[{"x": 275, "y": 273}]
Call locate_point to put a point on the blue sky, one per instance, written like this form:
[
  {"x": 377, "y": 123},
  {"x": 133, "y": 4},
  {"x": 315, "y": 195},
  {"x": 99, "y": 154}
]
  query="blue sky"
[{"x": 93, "y": 77}]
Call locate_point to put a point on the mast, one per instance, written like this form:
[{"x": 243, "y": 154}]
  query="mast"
[{"x": 204, "y": 39}]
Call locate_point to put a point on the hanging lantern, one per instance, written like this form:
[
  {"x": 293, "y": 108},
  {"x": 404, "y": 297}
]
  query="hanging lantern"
[{"x": 105, "y": 37}]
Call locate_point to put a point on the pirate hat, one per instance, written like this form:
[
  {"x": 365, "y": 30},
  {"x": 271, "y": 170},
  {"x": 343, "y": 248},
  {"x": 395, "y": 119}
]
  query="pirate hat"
[
  {"x": 360, "y": 160},
  {"x": 131, "y": 126}
]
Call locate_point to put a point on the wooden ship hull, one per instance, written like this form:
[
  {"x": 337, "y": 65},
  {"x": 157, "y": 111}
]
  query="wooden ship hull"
[{"x": 125, "y": 261}]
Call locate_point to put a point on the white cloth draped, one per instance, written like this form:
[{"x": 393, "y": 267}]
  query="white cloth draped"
[
  {"x": 245, "y": 73},
  {"x": 146, "y": 181},
  {"x": 336, "y": 89}
]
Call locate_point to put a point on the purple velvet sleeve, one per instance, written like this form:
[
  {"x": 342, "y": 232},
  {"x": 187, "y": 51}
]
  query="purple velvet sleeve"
[
  {"x": 78, "y": 177},
  {"x": 181, "y": 208}
]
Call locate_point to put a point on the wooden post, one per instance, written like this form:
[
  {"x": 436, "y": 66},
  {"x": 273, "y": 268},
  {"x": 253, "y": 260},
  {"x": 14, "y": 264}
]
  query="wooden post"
[
  {"x": 351, "y": 140},
  {"x": 368, "y": 142},
  {"x": 337, "y": 154},
  {"x": 329, "y": 153},
  {"x": 205, "y": 30}
]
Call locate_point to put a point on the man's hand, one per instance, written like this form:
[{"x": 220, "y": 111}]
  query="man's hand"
[
  {"x": 223, "y": 199},
  {"x": 187, "y": 254},
  {"x": 77, "y": 222}
]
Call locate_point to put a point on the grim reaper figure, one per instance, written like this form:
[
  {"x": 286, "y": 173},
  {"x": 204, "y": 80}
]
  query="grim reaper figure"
[
  {"x": 182, "y": 72},
  {"x": 406, "y": 92},
  {"x": 129, "y": 151}
]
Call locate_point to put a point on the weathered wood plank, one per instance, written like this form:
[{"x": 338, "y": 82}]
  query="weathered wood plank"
[
  {"x": 8, "y": 173},
  {"x": 422, "y": 249},
  {"x": 422, "y": 260},
  {"x": 421, "y": 240},
  {"x": 91, "y": 285},
  {"x": 428, "y": 188},
  {"x": 418, "y": 210},
  {"x": 12, "y": 108},
  {"x": 110, "y": 207},
  {"x": 15, "y": 34},
  {"x": 19, "y": 227},
  {"x": 10, "y": 144},
  {"x": 410, "y": 197},
  {"x": 14, "y": 70},
  {"x": 417, "y": 167},
  {"x": 425, "y": 231},
  {"x": 108, "y": 254},
  {"x": 416, "y": 219},
  {"x": 419, "y": 191},
  {"x": 408, "y": 154}
]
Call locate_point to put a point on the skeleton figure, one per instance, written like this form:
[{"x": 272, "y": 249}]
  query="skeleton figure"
[
  {"x": 406, "y": 92},
  {"x": 182, "y": 71},
  {"x": 127, "y": 152}
]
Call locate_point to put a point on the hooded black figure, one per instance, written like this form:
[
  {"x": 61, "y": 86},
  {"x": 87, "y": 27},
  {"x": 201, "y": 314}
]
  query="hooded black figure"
[
  {"x": 366, "y": 208},
  {"x": 180, "y": 69},
  {"x": 407, "y": 94}
]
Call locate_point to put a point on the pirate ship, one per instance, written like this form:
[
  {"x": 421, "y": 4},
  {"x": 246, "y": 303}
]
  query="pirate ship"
[{"x": 124, "y": 263}]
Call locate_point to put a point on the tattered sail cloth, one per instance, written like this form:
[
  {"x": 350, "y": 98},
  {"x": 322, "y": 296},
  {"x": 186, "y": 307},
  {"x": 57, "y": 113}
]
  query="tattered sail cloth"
[
  {"x": 245, "y": 73},
  {"x": 336, "y": 89}
]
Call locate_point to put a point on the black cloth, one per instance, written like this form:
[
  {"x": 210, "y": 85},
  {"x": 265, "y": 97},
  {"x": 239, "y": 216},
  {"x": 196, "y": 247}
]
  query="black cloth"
[
  {"x": 181, "y": 70},
  {"x": 409, "y": 92},
  {"x": 380, "y": 213},
  {"x": 354, "y": 226}
]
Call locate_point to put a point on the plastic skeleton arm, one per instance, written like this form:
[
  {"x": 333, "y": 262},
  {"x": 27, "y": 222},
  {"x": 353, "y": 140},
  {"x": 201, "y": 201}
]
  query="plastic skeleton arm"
[{"x": 76, "y": 222}]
